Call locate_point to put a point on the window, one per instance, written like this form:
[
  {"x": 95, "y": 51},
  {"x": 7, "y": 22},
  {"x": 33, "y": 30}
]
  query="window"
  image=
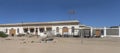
[
  {"x": 25, "y": 30},
  {"x": 41, "y": 29},
  {"x": 18, "y": 30},
  {"x": 57, "y": 29},
  {"x": 49, "y": 29},
  {"x": 6, "y": 30},
  {"x": 31, "y": 30},
  {"x": 36, "y": 30},
  {"x": 73, "y": 28}
]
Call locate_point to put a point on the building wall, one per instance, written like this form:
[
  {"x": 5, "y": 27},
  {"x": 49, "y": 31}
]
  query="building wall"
[
  {"x": 53, "y": 29},
  {"x": 8, "y": 29},
  {"x": 69, "y": 28}
]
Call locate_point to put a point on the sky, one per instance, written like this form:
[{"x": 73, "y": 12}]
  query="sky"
[{"x": 97, "y": 13}]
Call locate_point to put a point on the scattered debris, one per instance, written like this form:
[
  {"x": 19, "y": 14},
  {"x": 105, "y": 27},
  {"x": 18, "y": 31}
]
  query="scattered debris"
[
  {"x": 8, "y": 39},
  {"x": 32, "y": 41},
  {"x": 24, "y": 42}
]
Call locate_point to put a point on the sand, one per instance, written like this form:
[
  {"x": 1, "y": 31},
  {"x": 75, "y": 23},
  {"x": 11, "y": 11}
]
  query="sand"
[{"x": 59, "y": 45}]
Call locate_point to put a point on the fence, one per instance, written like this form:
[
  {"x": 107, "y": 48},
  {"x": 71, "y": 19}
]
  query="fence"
[
  {"x": 104, "y": 32},
  {"x": 94, "y": 32},
  {"x": 101, "y": 32},
  {"x": 112, "y": 32}
]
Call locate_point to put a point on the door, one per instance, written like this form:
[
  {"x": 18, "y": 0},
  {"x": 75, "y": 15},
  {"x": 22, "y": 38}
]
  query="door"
[
  {"x": 98, "y": 33},
  {"x": 65, "y": 31},
  {"x": 12, "y": 32}
]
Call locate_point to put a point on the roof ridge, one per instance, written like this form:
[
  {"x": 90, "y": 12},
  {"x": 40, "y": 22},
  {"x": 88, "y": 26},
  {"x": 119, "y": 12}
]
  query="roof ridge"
[{"x": 41, "y": 22}]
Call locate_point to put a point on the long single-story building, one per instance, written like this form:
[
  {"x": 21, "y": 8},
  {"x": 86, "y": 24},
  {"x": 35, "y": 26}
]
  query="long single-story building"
[
  {"x": 69, "y": 28},
  {"x": 37, "y": 28}
]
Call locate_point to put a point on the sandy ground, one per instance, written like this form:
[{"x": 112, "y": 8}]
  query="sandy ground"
[{"x": 59, "y": 45}]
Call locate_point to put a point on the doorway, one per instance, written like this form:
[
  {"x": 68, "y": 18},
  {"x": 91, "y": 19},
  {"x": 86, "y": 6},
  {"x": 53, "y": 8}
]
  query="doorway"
[
  {"x": 12, "y": 32},
  {"x": 65, "y": 31}
]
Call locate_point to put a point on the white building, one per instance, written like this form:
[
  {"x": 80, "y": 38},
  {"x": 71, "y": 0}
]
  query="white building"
[
  {"x": 63, "y": 28},
  {"x": 37, "y": 28}
]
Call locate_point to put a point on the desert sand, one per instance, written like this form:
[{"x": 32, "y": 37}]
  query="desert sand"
[{"x": 59, "y": 45}]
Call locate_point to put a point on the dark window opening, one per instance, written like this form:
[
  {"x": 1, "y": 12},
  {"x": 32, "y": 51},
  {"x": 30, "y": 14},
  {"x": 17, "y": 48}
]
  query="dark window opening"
[
  {"x": 18, "y": 30},
  {"x": 73, "y": 29},
  {"x": 6, "y": 30},
  {"x": 36, "y": 30},
  {"x": 25, "y": 30},
  {"x": 31, "y": 30},
  {"x": 57, "y": 29},
  {"x": 49, "y": 29},
  {"x": 42, "y": 29}
]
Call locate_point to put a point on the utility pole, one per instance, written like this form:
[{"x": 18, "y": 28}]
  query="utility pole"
[
  {"x": 72, "y": 12},
  {"x": 81, "y": 35}
]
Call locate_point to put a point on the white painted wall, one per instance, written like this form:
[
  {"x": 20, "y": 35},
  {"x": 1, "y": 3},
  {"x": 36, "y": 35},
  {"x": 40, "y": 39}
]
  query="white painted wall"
[
  {"x": 8, "y": 28},
  {"x": 68, "y": 26},
  {"x": 53, "y": 29}
]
